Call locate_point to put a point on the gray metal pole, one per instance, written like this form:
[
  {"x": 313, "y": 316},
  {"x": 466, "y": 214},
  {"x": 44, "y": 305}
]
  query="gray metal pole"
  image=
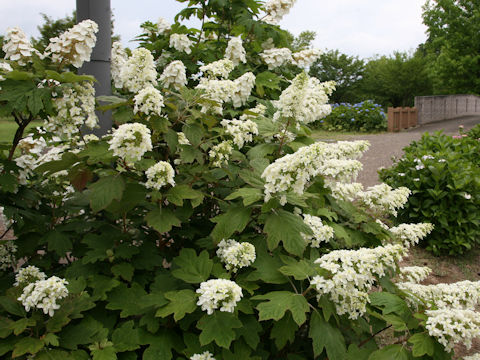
[{"x": 99, "y": 64}]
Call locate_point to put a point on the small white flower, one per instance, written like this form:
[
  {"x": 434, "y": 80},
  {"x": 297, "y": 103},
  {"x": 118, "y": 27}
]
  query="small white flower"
[
  {"x": 204, "y": 356},
  {"x": 236, "y": 255},
  {"x": 467, "y": 196},
  {"x": 174, "y": 75},
  {"x": 75, "y": 45},
  {"x": 219, "y": 294},
  {"x": 181, "y": 42},
  {"x": 138, "y": 71},
  {"x": 160, "y": 175},
  {"x": 131, "y": 141},
  {"x": 44, "y": 294},
  {"x": 235, "y": 51},
  {"x": 220, "y": 154},
  {"x": 148, "y": 101}
]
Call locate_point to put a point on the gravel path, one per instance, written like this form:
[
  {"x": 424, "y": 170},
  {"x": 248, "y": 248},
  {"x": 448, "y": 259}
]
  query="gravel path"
[{"x": 385, "y": 146}]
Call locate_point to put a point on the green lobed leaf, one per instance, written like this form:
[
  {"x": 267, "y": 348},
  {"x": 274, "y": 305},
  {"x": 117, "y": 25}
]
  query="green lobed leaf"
[
  {"x": 326, "y": 336},
  {"x": 218, "y": 327},
  {"x": 126, "y": 337},
  {"x": 126, "y": 299},
  {"x": 300, "y": 270},
  {"x": 27, "y": 345},
  {"x": 162, "y": 220},
  {"x": 235, "y": 219},
  {"x": 422, "y": 344},
  {"x": 191, "y": 268},
  {"x": 390, "y": 352},
  {"x": 81, "y": 333},
  {"x": 279, "y": 302},
  {"x": 178, "y": 193},
  {"x": 182, "y": 302},
  {"x": 287, "y": 228},
  {"x": 123, "y": 270},
  {"x": 283, "y": 331},
  {"x": 390, "y": 303},
  {"x": 249, "y": 195},
  {"x": 104, "y": 191}
]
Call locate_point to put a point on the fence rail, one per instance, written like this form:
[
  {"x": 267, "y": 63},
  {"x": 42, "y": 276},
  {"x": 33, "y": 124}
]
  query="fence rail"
[{"x": 401, "y": 118}]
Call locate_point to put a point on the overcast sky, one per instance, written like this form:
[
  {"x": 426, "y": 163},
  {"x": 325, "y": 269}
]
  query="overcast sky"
[{"x": 363, "y": 28}]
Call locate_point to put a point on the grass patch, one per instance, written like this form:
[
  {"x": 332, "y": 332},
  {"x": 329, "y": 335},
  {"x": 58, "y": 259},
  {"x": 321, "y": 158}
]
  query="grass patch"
[
  {"x": 319, "y": 134},
  {"x": 9, "y": 127}
]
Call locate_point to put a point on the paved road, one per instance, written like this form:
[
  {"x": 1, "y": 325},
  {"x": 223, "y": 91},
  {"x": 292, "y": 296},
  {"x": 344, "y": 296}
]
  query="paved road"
[{"x": 388, "y": 145}]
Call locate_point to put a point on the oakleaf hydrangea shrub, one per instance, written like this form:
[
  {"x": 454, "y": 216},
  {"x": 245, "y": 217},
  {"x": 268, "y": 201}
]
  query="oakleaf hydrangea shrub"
[
  {"x": 207, "y": 224},
  {"x": 365, "y": 116},
  {"x": 443, "y": 174}
]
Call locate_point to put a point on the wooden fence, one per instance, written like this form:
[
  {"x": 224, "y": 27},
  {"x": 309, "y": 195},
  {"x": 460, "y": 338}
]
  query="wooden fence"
[{"x": 401, "y": 118}]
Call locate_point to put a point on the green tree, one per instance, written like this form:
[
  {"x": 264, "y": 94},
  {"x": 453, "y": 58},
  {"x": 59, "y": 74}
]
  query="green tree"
[
  {"x": 52, "y": 28},
  {"x": 453, "y": 45},
  {"x": 396, "y": 80},
  {"x": 346, "y": 71},
  {"x": 303, "y": 40}
]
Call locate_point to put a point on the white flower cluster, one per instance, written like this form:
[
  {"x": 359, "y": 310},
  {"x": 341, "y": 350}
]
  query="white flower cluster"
[
  {"x": 341, "y": 169},
  {"x": 75, "y": 45},
  {"x": 130, "y": 141},
  {"x": 277, "y": 9},
  {"x": 7, "y": 254},
  {"x": 160, "y": 175},
  {"x": 344, "y": 191},
  {"x": 321, "y": 233},
  {"x": 75, "y": 109},
  {"x": 181, "y": 42},
  {"x": 411, "y": 234},
  {"x": 3, "y": 218},
  {"x": 385, "y": 200},
  {"x": 220, "y": 91},
  {"x": 414, "y": 274},
  {"x": 236, "y": 255},
  {"x": 294, "y": 171},
  {"x": 305, "y": 100},
  {"x": 305, "y": 58},
  {"x": 118, "y": 60},
  {"x": 4, "y": 68},
  {"x": 451, "y": 326},
  {"x": 353, "y": 273},
  {"x": 220, "y": 154},
  {"x": 276, "y": 57},
  {"x": 235, "y": 51},
  {"x": 219, "y": 294},
  {"x": 139, "y": 71},
  {"x": 148, "y": 101},
  {"x": 17, "y": 47},
  {"x": 204, "y": 356},
  {"x": 472, "y": 357},
  {"x": 182, "y": 139},
  {"x": 163, "y": 26},
  {"x": 28, "y": 275},
  {"x": 174, "y": 74},
  {"x": 221, "y": 68},
  {"x": 44, "y": 294},
  {"x": 243, "y": 87},
  {"x": 459, "y": 295},
  {"x": 242, "y": 131}
]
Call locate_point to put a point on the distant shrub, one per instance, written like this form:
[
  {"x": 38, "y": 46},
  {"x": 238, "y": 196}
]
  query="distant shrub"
[
  {"x": 443, "y": 173},
  {"x": 365, "y": 116}
]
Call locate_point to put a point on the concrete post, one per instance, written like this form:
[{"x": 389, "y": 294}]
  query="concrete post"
[{"x": 99, "y": 64}]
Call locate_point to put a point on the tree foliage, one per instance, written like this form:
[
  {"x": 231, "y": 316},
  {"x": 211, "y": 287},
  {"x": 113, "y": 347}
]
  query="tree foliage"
[
  {"x": 453, "y": 46},
  {"x": 346, "y": 71},
  {"x": 396, "y": 80}
]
